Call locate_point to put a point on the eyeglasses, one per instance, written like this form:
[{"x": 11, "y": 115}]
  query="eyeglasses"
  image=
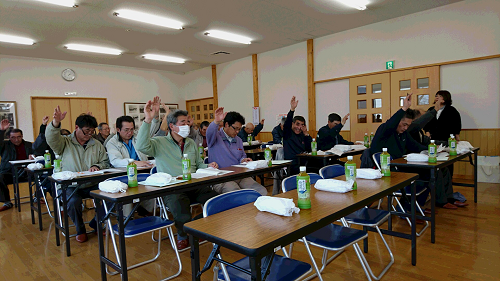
[
  {"x": 87, "y": 132},
  {"x": 237, "y": 130}
]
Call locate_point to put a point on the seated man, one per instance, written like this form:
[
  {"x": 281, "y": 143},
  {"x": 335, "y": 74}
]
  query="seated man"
[
  {"x": 79, "y": 152},
  {"x": 329, "y": 135},
  {"x": 278, "y": 132},
  {"x": 122, "y": 147},
  {"x": 394, "y": 136},
  {"x": 15, "y": 148},
  {"x": 103, "y": 132},
  {"x": 296, "y": 138},
  {"x": 250, "y": 129},
  {"x": 226, "y": 149},
  {"x": 168, "y": 151},
  {"x": 200, "y": 135}
]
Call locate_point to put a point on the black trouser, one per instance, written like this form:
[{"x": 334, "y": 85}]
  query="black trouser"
[
  {"x": 444, "y": 188},
  {"x": 179, "y": 206},
  {"x": 5, "y": 179}
]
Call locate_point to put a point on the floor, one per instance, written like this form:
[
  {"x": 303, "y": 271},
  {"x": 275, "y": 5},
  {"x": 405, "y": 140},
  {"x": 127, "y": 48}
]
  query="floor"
[{"x": 467, "y": 248}]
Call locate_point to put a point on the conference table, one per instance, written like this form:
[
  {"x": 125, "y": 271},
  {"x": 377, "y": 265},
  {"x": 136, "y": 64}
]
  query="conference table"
[
  {"x": 17, "y": 172},
  {"x": 35, "y": 179},
  {"x": 144, "y": 192},
  {"x": 259, "y": 234},
  {"x": 320, "y": 161}
]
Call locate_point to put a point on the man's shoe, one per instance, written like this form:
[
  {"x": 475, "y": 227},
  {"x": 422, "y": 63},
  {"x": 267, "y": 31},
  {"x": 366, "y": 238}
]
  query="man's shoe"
[
  {"x": 182, "y": 244},
  {"x": 428, "y": 211},
  {"x": 6, "y": 207},
  {"x": 460, "y": 204},
  {"x": 143, "y": 212},
  {"x": 450, "y": 206},
  {"x": 81, "y": 238}
]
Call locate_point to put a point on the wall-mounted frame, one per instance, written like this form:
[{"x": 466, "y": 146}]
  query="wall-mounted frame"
[
  {"x": 136, "y": 111},
  {"x": 8, "y": 110}
]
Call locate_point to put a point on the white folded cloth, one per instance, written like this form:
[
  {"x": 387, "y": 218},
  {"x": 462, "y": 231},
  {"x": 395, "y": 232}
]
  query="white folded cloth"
[
  {"x": 335, "y": 151},
  {"x": 358, "y": 146},
  {"x": 417, "y": 157},
  {"x": 367, "y": 173},
  {"x": 245, "y": 143},
  {"x": 158, "y": 179},
  {"x": 257, "y": 164},
  {"x": 463, "y": 147},
  {"x": 66, "y": 175},
  {"x": 342, "y": 147},
  {"x": 113, "y": 186},
  {"x": 39, "y": 158},
  {"x": 321, "y": 152},
  {"x": 255, "y": 142},
  {"x": 332, "y": 185},
  {"x": 279, "y": 206},
  {"x": 35, "y": 166}
]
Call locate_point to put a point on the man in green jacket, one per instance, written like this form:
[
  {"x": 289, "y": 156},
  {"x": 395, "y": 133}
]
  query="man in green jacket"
[
  {"x": 168, "y": 151},
  {"x": 79, "y": 152}
]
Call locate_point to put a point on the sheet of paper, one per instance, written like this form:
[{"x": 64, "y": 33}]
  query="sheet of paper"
[
  {"x": 277, "y": 162},
  {"x": 88, "y": 173},
  {"x": 174, "y": 181},
  {"x": 21, "y": 161},
  {"x": 111, "y": 170},
  {"x": 240, "y": 166}
]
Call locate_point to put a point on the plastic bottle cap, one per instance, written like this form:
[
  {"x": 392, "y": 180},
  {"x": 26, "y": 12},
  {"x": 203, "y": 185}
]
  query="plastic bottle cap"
[
  {"x": 349, "y": 158},
  {"x": 201, "y": 144},
  {"x": 131, "y": 160},
  {"x": 185, "y": 155},
  {"x": 366, "y": 134},
  {"x": 314, "y": 139},
  {"x": 432, "y": 141},
  {"x": 46, "y": 151},
  {"x": 372, "y": 133},
  {"x": 384, "y": 149},
  {"x": 452, "y": 136},
  {"x": 302, "y": 168}
]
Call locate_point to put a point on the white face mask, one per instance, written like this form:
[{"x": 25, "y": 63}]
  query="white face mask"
[{"x": 183, "y": 131}]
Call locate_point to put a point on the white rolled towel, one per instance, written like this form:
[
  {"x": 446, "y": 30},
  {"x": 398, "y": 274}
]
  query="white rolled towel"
[
  {"x": 279, "y": 206},
  {"x": 256, "y": 164},
  {"x": 66, "y": 175},
  {"x": 255, "y": 142},
  {"x": 35, "y": 166},
  {"x": 463, "y": 147},
  {"x": 367, "y": 173},
  {"x": 417, "y": 157},
  {"x": 113, "y": 186},
  {"x": 332, "y": 185},
  {"x": 39, "y": 158},
  {"x": 158, "y": 179},
  {"x": 245, "y": 143},
  {"x": 358, "y": 146}
]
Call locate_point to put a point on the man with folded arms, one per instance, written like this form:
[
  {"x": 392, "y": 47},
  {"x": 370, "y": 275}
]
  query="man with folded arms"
[
  {"x": 79, "y": 152},
  {"x": 296, "y": 138},
  {"x": 226, "y": 149},
  {"x": 168, "y": 151}
]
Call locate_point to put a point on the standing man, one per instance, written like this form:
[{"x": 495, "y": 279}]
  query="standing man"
[
  {"x": 250, "y": 129},
  {"x": 103, "y": 132},
  {"x": 329, "y": 135},
  {"x": 15, "y": 148},
  {"x": 79, "y": 152},
  {"x": 278, "y": 132},
  {"x": 296, "y": 138},
  {"x": 226, "y": 149},
  {"x": 168, "y": 151}
]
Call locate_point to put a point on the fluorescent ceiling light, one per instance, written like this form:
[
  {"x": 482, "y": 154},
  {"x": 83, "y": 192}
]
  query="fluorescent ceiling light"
[
  {"x": 228, "y": 36},
  {"x": 16, "y": 39},
  {"x": 64, "y": 3},
  {"x": 93, "y": 49},
  {"x": 163, "y": 58},
  {"x": 357, "y": 4},
  {"x": 148, "y": 18}
]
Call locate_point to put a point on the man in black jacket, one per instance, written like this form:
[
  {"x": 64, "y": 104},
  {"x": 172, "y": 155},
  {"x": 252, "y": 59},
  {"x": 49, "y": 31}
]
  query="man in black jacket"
[
  {"x": 15, "y": 148},
  {"x": 278, "y": 132},
  {"x": 250, "y": 129},
  {"x": 329, "y": 135},
  {"x": 296, "y": 138}
]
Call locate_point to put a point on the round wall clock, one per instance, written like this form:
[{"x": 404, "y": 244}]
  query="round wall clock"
[{"x": 68, "y": 74}]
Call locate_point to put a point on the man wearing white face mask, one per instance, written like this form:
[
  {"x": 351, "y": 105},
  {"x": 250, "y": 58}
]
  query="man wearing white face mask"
[{"x": 168, "y": 151}]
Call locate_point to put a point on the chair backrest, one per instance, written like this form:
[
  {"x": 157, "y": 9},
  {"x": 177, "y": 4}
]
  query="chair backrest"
[
  {"x": 376, "y": 159},
  {"x": 124, "y": 179},
  {"x": 290, "y": 183},
  {"x": 332, "y": 171},
  {"x": 154, "y": 170},
  {"x": 229, "y": 200},
  {"x": 205, "y": 160}
]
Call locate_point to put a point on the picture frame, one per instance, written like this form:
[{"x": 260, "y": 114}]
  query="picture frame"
[
  {"x": 136, "y": 111},
  {"x": 8, "y": 110}
]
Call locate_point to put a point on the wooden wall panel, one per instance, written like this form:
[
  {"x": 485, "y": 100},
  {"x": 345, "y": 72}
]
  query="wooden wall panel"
[
  {"x": 486, "y": 139},
  {"x": 265, "y": 136},
  {"x": 44, "y": 106},
  {"x": 97, "y": 106}
]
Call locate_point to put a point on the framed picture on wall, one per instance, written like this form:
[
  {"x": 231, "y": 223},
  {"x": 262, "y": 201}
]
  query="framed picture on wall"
[
  {"x": 136, "y": 111},
  {"x": 8, "y": 110}
]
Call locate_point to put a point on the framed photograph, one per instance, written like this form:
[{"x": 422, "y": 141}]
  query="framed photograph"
[
  {"x": 8, "y": 110},
  {"x": 136, "y": 111}
]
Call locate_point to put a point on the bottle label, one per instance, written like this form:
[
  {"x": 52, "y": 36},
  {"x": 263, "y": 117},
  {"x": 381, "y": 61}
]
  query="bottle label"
[
  {"x": 131, "y": 172},
  {"x": 350, "y": 172},
  {"x": 452, "y": 145},
  {"x": 301, "y": 186},
  {"x": 57, "y": 166},
  {"x": 249, "y": 139},
  {"x": 432, "y": 150}
]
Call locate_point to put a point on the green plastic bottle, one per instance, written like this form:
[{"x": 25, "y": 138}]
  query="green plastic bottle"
[
  {"x": 385, "y": 161},
  {"x": 57, "y": 165},
  {"x": 268, "y": 155},
  {"x": 314, "y": 147},
  {"x": 46, "y": 157},
  {"x": 201, "y": 150},
  {"x": 350, "y": 172},
  {"x": 186, "y": 168},
  {"x": 249, "y": 139},
  {"x": 432, "y": 152},
  {"x": 303, "y": 189},
  {"x": 371, "y": 138},
  {"x": 452, "y": 143},
  {"x": 367, "y": 140},
  {"x": 132, "y": 173}
]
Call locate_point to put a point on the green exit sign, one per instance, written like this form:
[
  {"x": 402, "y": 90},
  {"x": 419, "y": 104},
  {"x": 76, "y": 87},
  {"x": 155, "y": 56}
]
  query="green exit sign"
[{"x": 389, "y": 64}]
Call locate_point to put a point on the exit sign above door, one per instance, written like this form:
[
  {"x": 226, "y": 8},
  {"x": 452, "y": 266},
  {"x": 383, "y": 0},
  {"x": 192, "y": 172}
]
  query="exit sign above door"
[{"x": 389, "y": 64}]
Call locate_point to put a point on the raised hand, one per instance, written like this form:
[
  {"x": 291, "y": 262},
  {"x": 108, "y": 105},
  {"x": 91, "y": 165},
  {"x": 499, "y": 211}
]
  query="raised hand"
[
  {"x": 262, "y": 121},
  {"x": 304, "y": 130},
  {"x": 407, "y": 102},
  {"x": 190, "y": 121},
  {"x": 58, "y": 116},
  {"x": 293, "y": 103},
  {"x": 4, "y": 125},
  {"x": 90, "y": 113},
  {"x": 45, "y": 120},
  {"x": 151, "y": 109},
  {"x": 345, "y": 119},
  {"x": 219, "y": 115},
  {"x": 166, "y": 108}
]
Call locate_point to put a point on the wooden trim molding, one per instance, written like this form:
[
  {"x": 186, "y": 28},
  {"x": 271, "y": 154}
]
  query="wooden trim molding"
[
  {"x": 311, "y": 91},
  {"x": 255, "y": 80},
  {"x": 214, "y": 85}
]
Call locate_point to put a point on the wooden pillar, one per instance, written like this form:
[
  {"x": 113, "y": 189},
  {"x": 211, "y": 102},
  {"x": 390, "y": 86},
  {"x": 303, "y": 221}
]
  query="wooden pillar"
[
  {"x": 311, "y": 91},
  {"x": 214, "y": 84},
  {"x": 255, "y": 80}
]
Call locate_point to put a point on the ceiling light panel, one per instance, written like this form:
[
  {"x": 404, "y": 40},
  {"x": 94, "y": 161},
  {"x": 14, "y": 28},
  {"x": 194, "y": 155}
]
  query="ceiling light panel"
[
  {"x": 163, "y": 58},
  {"x": 228, "y": 36},
  {"x": 357, "y": 4},
  {"x": 148, "y": 18},
  {"x": 93, "y": 49},
  {"x": 16, "y": 39},
  {"x": 64, "y": 3}
]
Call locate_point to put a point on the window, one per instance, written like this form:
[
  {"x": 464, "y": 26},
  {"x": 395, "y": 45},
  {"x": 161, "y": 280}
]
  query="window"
[
  {"x": 376, "y": 103},
  {"x": 361, "y": 104},
  {"x": 422, "y": 99},
  {"x": 423, "y": 83},
  {"x": 404, "y": 85},
  {"x": 362, "y": 90},
  {"x": 211, "y": 107},
  {"x": 192, "y": 108},
  {"x": 376, "y": 88},
  {"x": 361, "y": 118},
  {"x": 401, "y": 101},
  {"x": 197, "y": 108},
  {"x": 205, "y": 107},
  {"x": 377, "y": 118}
]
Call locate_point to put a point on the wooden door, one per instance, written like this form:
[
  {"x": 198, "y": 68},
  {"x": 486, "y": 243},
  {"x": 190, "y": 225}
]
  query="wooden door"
[
  {"x": 98, "y": 107},
  {"x": 44, "y": 106},
  {"x": 201, "y": 110},
  {"x": 369, "y": 102},
  {"x": 422, "y": 82}
]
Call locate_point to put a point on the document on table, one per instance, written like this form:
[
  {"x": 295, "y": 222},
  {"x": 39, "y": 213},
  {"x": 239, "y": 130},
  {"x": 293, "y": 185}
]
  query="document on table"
[
  {"x": 277, "y": 162},
  {"x": 173, "y": 181},
  {"x": 22, "y": 161},
  {"x": 208, "y": 172}
]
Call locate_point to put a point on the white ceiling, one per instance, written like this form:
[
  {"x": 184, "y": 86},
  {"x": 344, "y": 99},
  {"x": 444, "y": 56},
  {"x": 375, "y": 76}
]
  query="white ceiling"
[{"x": 271, "y": 24}]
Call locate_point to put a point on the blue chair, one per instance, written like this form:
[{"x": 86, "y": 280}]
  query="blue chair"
[
  {"x": 143, "y": 226},
  {"x": 282, "y": 268},
  {"x": 420, "y": 190},
  {"x": 331, "y": 237},
  {"x": 153, "y": 170},
  {"x": 332, "y": 171}
]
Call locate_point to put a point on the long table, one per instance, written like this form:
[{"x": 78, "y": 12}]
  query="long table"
[
  {"x": 17, "y": 171},
  {"x": 433, "y": 169},
  {"x": 257, "y": 234},
  {"x": 142, "y": 192},
  {"x": 305, "y": 158},
  {"x": 34, "y": 180}
]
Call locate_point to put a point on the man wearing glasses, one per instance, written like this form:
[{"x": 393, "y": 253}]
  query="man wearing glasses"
[
  {"x": 79, "y": 152},
  {"x": 226, "y": 149}
]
